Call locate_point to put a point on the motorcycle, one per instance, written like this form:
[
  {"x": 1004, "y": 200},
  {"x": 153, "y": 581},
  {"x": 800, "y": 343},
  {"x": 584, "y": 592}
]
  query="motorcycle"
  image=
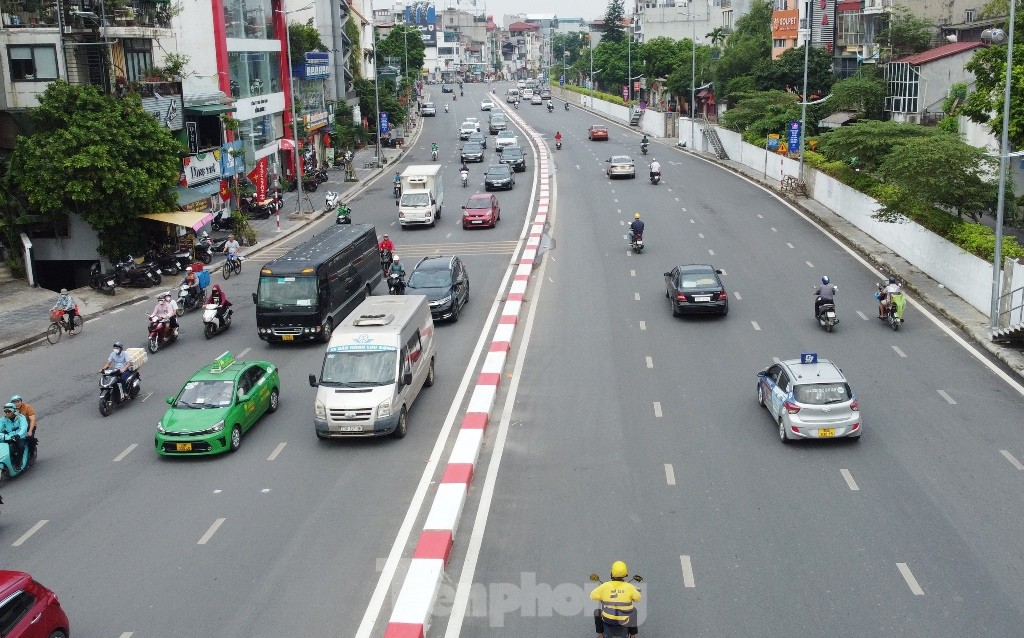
[
  {"x": 826, "y": 315},
  {"x": 516, "y": 104},
  {"x": 204, "y": 250},
  {"x": 445, "y": 108},
  {"x": 396, "y": 189},
  {"x": 224, "y": 221},
  {"x": 636, "y": 242},
  {"x": 655, "y": 177},
  {"x": 643, "y": 148},
  {"x": 566, "y": 106},
  {"x": 320, "y": 174},
  {"x": 330, "y": 201},
  {"x": 894, "y": 309},
  {"x": 386, "y": 259},
  {"x": 558, "y": 145},
  {"x": 433, "y": 154},
  {"x": 614, "y": 631},
  {"x": 102, "y": 281},
  {"x": 254, "y": 209},
  {"x": 160, "y": 333},
  {"x": 396, "y": 286},
  {"x": 10, "y": 469},
  {"x": 344, "y": 215},
  {"x": 171, "y": 264},
  {"x": 128, "y": 273},
  {"x": 189, "y": 298},
  {"x": 551, "y": 108},
  {"x": 465, "y": 178},
  {"x": 214, "y": 324},
  {"x": 111, "y": 392}
]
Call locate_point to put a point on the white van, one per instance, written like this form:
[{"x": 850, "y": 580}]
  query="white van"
[
  {"x": 378, "y": 360},
  {"x": 511, "y": 95}
]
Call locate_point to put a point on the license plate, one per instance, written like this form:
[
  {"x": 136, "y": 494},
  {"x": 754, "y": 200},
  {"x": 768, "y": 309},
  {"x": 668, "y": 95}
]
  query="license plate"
[
  {"x": 182, "y": 447},
  {"x": 478, "y": 221},
  {"x": 287, "y": 337},
  {"x": 830, "y": 314},
  {"x": 826, "y": 433},
  {"x": 350, "y": 428},
  {"x": 702, "y": 298},
  {"x": 110, "y": 283}
]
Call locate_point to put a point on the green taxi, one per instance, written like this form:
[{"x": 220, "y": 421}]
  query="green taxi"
[{"x": 216, "y": 406}]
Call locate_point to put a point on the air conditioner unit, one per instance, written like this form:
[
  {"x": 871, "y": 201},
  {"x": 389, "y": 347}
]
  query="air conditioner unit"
[{"x": 67, "y": 28}]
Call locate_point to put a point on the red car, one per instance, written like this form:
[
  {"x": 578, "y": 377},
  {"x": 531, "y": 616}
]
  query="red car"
[
  {"x": 481, "y": 210},
  {"x": 28, "y": 610},
  {"x": 598, "y": 132}
]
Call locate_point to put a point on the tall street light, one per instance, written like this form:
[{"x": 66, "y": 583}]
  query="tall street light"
[
  {"x": 376, "y": 82},
  {"x": 291, "y": 84},
  {"x": 693, "y": 74},
  {"x": 803, "y": 104},
  {"x": 996, "y": 36}
]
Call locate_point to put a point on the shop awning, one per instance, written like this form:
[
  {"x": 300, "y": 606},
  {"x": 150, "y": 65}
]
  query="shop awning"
[
  {"x": 210, "y": 109},
  {"x": 195, "y": 221}
]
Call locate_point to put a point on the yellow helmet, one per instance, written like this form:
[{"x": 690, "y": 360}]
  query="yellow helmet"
[
  {"x": 636, "y": 216},
  {"x": 619, "y": 569}
]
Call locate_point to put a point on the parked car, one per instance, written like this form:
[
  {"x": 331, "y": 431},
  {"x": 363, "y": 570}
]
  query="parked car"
[
  {"x": 428, "y": 110},
  {"x": 597, "y": 132},
  {"x": 481, "y": 211},
  {"x": 514, "y": 157},
  {"x": 28, "y": 610},
  {"x": 499, "y": 176},
  {"x": 443, "y": 280}
]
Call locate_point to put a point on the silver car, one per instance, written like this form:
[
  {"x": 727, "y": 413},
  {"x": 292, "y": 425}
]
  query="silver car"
[
  {"x": 505, "y": 138},
  {"x": 621, "y": 166},
  {"x": 809, "y": 398}
]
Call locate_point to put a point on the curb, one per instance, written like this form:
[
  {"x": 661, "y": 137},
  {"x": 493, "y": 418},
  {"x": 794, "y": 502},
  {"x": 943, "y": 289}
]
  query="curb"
[{"x": 410, "y": 617}]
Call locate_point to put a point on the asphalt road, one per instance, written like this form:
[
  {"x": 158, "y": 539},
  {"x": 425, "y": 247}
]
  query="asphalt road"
[
  {"x": 131, "y": 541},
  {"x": 637, "y": 436}
]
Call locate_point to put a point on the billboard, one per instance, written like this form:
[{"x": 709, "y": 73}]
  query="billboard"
[
  {"x": 423, "y": 16},
  {"x": 785, "y": 24}
]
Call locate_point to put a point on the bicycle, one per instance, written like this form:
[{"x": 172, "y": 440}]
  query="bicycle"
[
  {"x": 233, "y": 266},
  {"x": 58, "y": 325}
]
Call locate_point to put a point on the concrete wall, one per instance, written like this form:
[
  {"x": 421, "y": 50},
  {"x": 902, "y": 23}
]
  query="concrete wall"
[{"x": 80, "y": 246}]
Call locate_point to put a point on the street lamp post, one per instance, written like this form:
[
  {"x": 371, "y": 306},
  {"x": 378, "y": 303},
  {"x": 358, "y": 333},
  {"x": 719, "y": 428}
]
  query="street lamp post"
[
  {"x": 803, "y": 105},
  {"x": 693, "y": 74},
  {"x": 295, "y": 122},
  {"x": 376, "y": 90}
]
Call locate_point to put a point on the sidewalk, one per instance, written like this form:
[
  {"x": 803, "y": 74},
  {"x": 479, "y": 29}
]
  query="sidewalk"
[{"x": 24, "y": 314}]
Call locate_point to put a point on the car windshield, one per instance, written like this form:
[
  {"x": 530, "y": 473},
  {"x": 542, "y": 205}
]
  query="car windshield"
[
  {"x": 622, "y": 159},
  {"x": 598, "y": 128},
  {"x": 468, "y": 126},
  {"x": 280, "y": 292},
  {"x": 821, "y": 393},
  {"x": 472, "y": 148},
  {"x": 497, "y": 171},
  {"x": 482, "y": 204},
  {"x": 359, "y": 367},
  {"x": 416, "y": 200},
  {"x": 506, "y": 135},
  {"x": 512, "y": 152},
  {"x": 697, "y": 280},
  {"x": 430, "y": 279},
  {"x": 199, "y": 395},
  {"x": 428, "y": 105}
]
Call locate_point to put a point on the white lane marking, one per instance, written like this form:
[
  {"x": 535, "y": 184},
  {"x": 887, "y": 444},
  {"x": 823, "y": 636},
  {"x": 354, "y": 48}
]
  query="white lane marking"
[
  {"x": 760, "y": 216},
  {"x": 128, "y": 450},
  {"x": 683, "y": 209},
  {"x": 217, "y": 491},
  {"x": 27, "y": 535},
  {"x": 849, "y": 480},
  {"x": 243, "y": 353},
  {"x": 448, "y": 236},
  {"x": 692, "y": 222},
  {"x": 636, "y": 296},
  {"x": 899, "y": 352},
  {"x": 670, "y": 474},
  {"x": 862, "y": 315},
  {"x": 1012, "y": 459},
  {"x": 632, "y": 273},
  {"x": 723, "y": 271},
  {"x": 677, "y": 199},
  {"x": 265, "y": 490},
  {"x": 949, "y": 399},
  {"x": 701, "y": 235},
  {"x": 756, "y": 327},
  {"x": 210, "y": 532},
  {"x": 789, "y": 244},
  {"x": 127, "y": 634},
  {"x": 114, "y": 312},
  {"x": 670, "y": 190},
  {"x": 277, "y": 450},
  {"x": 620, "y": 210},
  {"x": 909, "y": 577},
  {"x": 809, "y": 264},
  {"x": 643, "y": 325},
  {"x": 736, "y": 294},
  {"x": 616, "y": 201},
  {"x": 684, "y": 560},
  {"x": 143, "y": 399},
  {"x": 650, "y": 362},
  {"x": 774, "y": 230},
  {"x": 393, "y": 223},
  {"x": 657, "y": 409},
  {"x": 613, "y": 190},
  {"x": 711, "y": 252}
]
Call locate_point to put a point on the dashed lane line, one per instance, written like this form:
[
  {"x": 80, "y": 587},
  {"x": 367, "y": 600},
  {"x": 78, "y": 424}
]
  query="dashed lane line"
[
  {"x": 944, "y": 395},
  {"x": 670, "y": 474},
  {"x": 210, "y": 532},
  {"x": 649, "y": 361},
  {"x": 862, "y": 315},
  {"x": 128, "y": 450},
  {"x": 899, "y": 352},
  {"x": 27, "y": 535},
  {"x": 1012, "y": 459},
  {"x": 277, "y": 450},
  {"x": 756, "y": 326},
  {"x": 643, "y": 325},
  {"x": 657, "y": 409},
  {"x": 909, "y": 577},
  {"x": 849, "y": 480},
  {"x": 684, "y": 561}
]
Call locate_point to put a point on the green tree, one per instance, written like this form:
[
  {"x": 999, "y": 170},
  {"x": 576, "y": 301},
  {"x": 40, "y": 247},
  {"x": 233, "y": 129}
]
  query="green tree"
[
  {"x": 870, "y": 142},
  {"x": 905, "y": 33},
  {"x": 863, "y": 94},
  {"x": 612, "y": 30},
  {"x": 943, "y": 171},
  {"x": 610, "y": 60},
  {"x": 570, "y": 46},
  {"x": 303, "y": 37},
  {"x": 717, "y": 37},
  {"x": 368, "y": 96},
  {"x": 787, "y": 73},
  {"x": 660, "y": 56},
  {"x": 355, "y": 59},
  {"x": 402, "y": 40},
  {"x": 749, "y": 43},
  {"x": 112, "y": 160},
  {"x": 985, "y": 104},
  {"x": 762, "y": 112},
  {"x": 679, "y": 79}
]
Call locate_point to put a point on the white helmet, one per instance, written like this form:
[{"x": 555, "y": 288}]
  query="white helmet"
[
  {"x": 188, "y": 268},
  {"x": 395, "y": 258}
]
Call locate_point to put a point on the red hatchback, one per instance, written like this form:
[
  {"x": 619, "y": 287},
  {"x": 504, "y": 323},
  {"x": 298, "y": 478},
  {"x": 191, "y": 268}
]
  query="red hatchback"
[
  {"x": 598, "y": 132},
  {"x": 29, "y": 610},
  {"x": 482, "y": 210}
]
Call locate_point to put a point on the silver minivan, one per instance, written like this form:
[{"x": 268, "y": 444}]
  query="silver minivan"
[{"x": 378, "y": 360}]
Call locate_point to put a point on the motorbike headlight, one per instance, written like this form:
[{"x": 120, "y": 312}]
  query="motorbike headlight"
[
  {"x": 218, "y": 426},
  {"x": 384, "y": 409},
  {"x": 320, "y": 410}
]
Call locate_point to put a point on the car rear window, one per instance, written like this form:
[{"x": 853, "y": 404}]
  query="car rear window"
[
  {"x": 691, "y": 281},
  {"x": 821, "y": 393}
]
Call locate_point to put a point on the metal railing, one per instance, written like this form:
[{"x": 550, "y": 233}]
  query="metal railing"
[{"x": 1011, "y": 306}]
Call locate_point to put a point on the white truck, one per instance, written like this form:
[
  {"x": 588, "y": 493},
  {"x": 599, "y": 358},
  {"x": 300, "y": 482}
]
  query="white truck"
[{"x": 422, "y": 195}]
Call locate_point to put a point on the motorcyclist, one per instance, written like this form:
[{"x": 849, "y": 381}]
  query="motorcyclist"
[
  {"x": 26, "y": 411},
  {"x": 464, "y": 172},
  {"x": 165, "y": 310},
  {"x": 824, "y": 294},
  {"x": 14, "y": 430},
  {"x": 550, "y": 105},
  {"x": 616, "y": 597},
  {"x": 885, "y": 296},
  {"x": 398, "y": 269},
  {"x": 218, "y": 297},
  {"x": 644, "y": 143},
  {"x": 655, "y": 167},
  {"x": 446, "y": 108},
  {"x": 121, "y": 362},
  {"x": 558, "y": 137},
  {"x": 433, "y": 148},
  {"x": 190, "y": 280},
  {"x": 66, "y": 303},
  {"x": 636, "y": 227},
  {"x": 386, "y": 244}
]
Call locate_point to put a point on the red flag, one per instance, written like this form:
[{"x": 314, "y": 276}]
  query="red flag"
[
  {"x": 258, "y": 177},
  {"x": 225, "y": 192}
]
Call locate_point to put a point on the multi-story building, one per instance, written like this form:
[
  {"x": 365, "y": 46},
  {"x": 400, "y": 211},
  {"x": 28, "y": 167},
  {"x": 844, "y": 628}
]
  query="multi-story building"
[
  {"x": 679, "y": 19},
  {"x": 525, "y": 38}
]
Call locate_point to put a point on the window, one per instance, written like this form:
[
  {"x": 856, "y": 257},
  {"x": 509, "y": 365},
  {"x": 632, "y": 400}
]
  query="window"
[
  {"x": 779, "y": 43},
  {"x": 414, "y": 347},
  {"x": 138, "y": 56},
  {"x": 33, "y": 62},
  {"x": 969, "y": 15},
  {"x": 14, "y": 610},
  {"x": 784, "y": 382}
]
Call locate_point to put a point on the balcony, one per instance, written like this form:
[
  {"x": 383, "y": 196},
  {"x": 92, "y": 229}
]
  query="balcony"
[
  {"x": 877, "y": 6},
  {"x": 87, "y": 15}
]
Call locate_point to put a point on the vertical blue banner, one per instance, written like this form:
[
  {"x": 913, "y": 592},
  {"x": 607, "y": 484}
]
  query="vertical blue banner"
[
  {"x": 794, "y": 137},
  {"x": 384, "y": 123}
]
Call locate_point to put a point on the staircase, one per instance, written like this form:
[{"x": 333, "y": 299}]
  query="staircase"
[
  {"x": 1011, "y": 318},
  {"x": 712, "y": 136},
  {"x": 5, "y": 273},
  {"x": 634, "y": 116}
]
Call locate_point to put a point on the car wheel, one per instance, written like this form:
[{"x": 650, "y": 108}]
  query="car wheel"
[
  {"x": 675, "y": 309},
  {"x": 403, "y": 425},
  {"x": 325, "y": 334},
  {"x": 275, "y": 401},
  {"x": 429, "y": 381},
  {"x": 760, "y": 395},
  {"x": 725, "y": 311},
  {"x": 59, "y": 633},
  {"x": 782, "y": 432}
]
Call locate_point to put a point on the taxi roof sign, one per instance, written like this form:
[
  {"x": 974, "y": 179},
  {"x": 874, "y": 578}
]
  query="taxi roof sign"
[
  {"x": 221, "y": 363},
  {"x": 808, "y": 357}
]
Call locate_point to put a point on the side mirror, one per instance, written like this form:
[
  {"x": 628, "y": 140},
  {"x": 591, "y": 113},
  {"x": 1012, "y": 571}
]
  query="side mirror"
[
  {"x": 407, "y": 377},
  {"x": 463, "y": 208},
  {"x": 595, "y": 578},
  {"x": 312, "y": 381},
  {"x": 763, "y": 372},
  {"x": 638, "y": 578},
  {"x": 170, "y": 400},
  {"x": 608, "y": 161},
  {"x": 719, "y": 272},
  {"x": 668, "y": 274}
]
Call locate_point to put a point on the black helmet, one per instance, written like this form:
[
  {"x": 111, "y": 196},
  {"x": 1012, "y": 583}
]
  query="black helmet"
[
  {"x": 118, "y": 344},
  {"x": 892, "y": 279}
]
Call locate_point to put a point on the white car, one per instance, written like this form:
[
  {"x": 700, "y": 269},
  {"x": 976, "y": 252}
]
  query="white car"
[
  {"x": 475, "y": 121},
  {"x": 527, "y": 93},
  {"x": 621, "y": 166},
  {"x": 505, "y": 138},
  {"x": 536, "y": 100},
  {"x": 486, "y": 105},
  {"x": 467, "y": 129}
]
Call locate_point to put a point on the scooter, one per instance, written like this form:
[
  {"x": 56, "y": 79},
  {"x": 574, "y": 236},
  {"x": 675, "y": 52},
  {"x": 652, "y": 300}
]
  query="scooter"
[
  {"x": 395, "y": 284},
  {"x": 465, "y": 178},
  {"x": 643, "y": 148},
  {"x": 614, "y": 631},
  {"x": 386, "y": 259},
  {"x": 160, "y": 333},
  {"x": 551, "y": 108},
  {"x": 204, "y": 250},
  {"x": 8, "y": 467},
  {"x": 558, "y": 145},
  {"x": 445, "y": 108},
  {"x": 128, "y": 273},
  {"x": 330, "y": 201},
  {"x": 102, "y": 281},
  {"x": 344, "y": 215},
  {"x": 187, "y": 300},
  {"x": 566, "y": 106},
  {"x": 397, "y": 190},
  {"x": 112, "y": 394},
  {"x": 224, "y": 221},
  {"x": 433, "y": 154},
  {"x": 213, "y": 324},
  {"x": 894, "y": 309},
  {"x": 827, "y": 316},
  {"x": 636, "y": 242},
  {"x": 655, "y": 177},
  {"x": 170, "y": 264}
]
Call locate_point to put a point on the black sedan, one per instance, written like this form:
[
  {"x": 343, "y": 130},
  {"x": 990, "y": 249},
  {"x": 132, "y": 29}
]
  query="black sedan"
[
  {"x": 499, "y": 176},
  {"x": 478, "y": 138},
  {"x": 447, "y": 88},
  {"x": 696, "y": 288},
  {"x": 514, "y": 157},
  {"x": 472, "y": 152}
]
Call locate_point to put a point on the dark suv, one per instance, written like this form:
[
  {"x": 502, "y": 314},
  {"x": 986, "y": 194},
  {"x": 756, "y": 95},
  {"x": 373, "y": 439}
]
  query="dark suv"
[{"x": 443, "y": 280}]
